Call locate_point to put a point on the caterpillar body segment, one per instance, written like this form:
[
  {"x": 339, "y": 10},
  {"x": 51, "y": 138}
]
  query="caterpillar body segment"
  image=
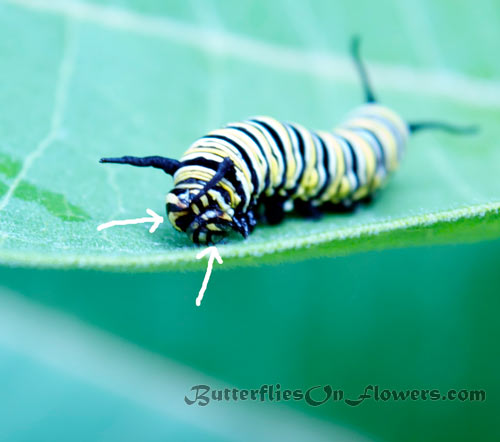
[{"x": 260, "y": 168}]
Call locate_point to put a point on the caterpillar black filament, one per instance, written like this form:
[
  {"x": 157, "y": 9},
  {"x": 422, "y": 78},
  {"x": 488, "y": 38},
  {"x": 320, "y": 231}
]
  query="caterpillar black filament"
[{"x": 260, "y": 168}]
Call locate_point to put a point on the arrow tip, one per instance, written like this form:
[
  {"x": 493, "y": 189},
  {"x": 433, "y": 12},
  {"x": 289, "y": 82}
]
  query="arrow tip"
[
  {"x": 214, "y": 252},
  {"x": 157, "y": 220}
]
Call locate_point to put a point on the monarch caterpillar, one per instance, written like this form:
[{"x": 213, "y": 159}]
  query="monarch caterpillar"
[{"x": 261, "y": 168}]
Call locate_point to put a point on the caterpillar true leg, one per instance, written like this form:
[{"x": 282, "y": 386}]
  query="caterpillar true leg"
[{"x": 245, "y": 223}]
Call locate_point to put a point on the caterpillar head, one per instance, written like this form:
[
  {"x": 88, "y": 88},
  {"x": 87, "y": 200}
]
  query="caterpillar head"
[
  {"x": 206, "y": 218},
  {"x": 202, "y": 219}
]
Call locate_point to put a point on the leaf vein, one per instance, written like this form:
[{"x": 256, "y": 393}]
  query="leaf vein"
[{"x": 64, "y": 75}]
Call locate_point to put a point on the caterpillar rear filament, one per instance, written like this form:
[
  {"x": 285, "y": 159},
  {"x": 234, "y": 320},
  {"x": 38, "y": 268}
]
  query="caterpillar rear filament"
[{"x": 260, "y": 168}]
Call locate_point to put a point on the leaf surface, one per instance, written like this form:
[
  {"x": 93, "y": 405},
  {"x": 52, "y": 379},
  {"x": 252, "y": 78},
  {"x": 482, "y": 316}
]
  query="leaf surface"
[{"x": 87, "y": 80}]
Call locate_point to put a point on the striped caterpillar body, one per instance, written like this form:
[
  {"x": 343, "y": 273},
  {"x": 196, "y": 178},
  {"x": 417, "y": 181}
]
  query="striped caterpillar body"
[
  {"x": 260, "y": 168},
  {"x": 276, "y": 164}
]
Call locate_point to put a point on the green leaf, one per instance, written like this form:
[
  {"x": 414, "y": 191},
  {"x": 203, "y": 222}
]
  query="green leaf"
[{"x": 86, "y": 80}]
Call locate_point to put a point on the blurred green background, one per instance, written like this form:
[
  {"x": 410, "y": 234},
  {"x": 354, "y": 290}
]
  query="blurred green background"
[
  {"x": 415, "y": 318},
  {"x": 101, "y": 356}
]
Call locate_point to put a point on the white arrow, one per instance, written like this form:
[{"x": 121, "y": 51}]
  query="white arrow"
[
  {"x": 214, "y": 254},
  {"x": 155, "y": 219}
]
